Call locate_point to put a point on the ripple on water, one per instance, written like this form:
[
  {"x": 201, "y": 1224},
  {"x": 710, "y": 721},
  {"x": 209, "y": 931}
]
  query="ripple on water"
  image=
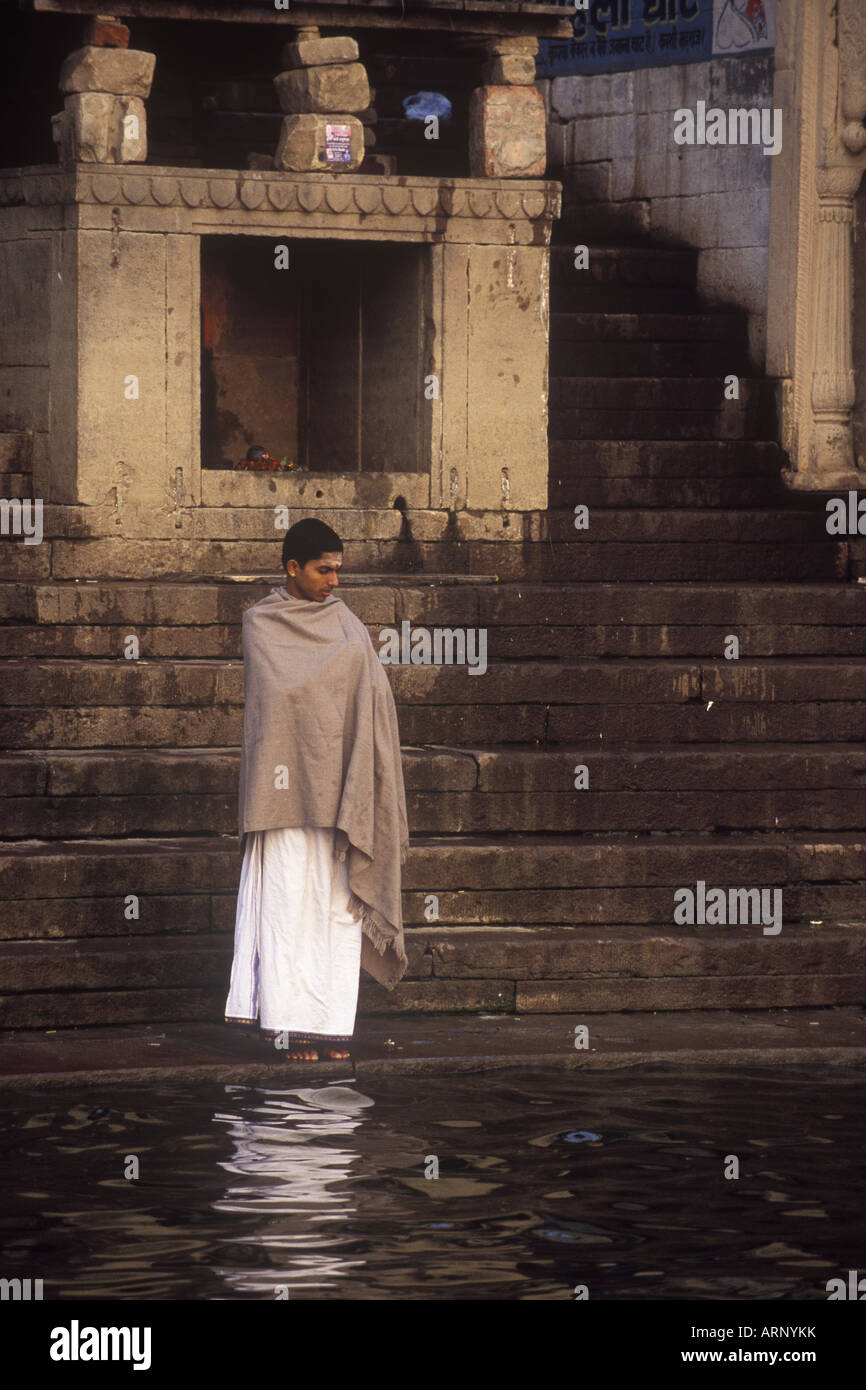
[{"x": 546, "y": 1180}]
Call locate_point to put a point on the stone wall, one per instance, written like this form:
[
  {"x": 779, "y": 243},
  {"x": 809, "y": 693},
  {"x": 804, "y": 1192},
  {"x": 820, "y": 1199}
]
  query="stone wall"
[
  {"x": 611, "y": 141},
  {"x": 25, "y": 332}
]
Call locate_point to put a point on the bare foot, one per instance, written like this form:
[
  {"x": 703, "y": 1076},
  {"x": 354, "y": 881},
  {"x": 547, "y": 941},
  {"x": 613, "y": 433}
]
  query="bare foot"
[{"x": 302, "y": 1054}]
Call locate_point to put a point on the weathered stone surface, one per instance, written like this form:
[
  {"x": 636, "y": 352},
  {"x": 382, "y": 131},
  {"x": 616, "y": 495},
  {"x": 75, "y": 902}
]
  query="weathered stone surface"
[
  {"x": 314, "y": 53},
  {"x": 92, "y": 128},
  {"x": 260, "y": 161},
  {"x": 385, "y": 164},
  {"x": 303, "y": 144},
  {"x": 510, "y": 69},
  {"x": 515, "y": 43},
  {"x": 324, "y": 90},
  {"x": 96, "y": 127},
  {"x": 507, "y": 133},
  {"x": 105, "y": 33},
  {"x": 121, "y": 72},
  {"x": 133, "y": 126}
]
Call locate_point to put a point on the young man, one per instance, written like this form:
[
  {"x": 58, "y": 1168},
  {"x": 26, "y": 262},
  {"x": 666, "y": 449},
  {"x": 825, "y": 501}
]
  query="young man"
[{"x": 322, "y": 810}]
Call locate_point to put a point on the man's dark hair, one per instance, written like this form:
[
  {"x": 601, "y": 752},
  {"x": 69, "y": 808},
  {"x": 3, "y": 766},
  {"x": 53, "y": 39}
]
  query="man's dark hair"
[{"x": 307, "y": 540}]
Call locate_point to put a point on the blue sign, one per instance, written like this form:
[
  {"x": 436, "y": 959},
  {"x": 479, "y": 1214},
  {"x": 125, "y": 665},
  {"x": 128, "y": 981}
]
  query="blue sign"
[{"x": 613, "y": 35}]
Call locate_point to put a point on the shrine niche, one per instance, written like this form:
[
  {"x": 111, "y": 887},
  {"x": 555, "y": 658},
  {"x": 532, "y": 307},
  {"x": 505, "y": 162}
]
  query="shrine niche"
[{"x": 320, "y": 359}]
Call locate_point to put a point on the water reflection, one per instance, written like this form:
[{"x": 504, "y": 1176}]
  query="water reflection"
[
  {"x": 546, "y": 1181},
  {"x": 297, "y": 1154}
]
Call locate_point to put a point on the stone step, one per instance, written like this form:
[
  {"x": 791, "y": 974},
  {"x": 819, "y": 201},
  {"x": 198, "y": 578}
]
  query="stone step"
[
  {"x": 672, "y": 494},
  {"x": 651, "y": 394},
  {"x": 648, "y": 358},
  {"x": 473, "y": 600},
  {"x": 532, "y": 719},
  {"x": 521, "y": 642},
  {"x": 528, "y": 970},
  {"x": 78, "y": 888},
  {"x": 794, "y": 523},
  {"x": 93, "y": 683},
  {"x": 478, "y": 791},
  {"x": 801, "y": 518},
  {"x": 203, "y": 620},
  {"x": 674, "y": 562},
  {"x": 593, "y": 296},
  {"x": 709, "y": 562},
  {"x": 709, "y": 326},
  {"x": 622, "y": 265},
  {"x": 200, "y": 599},
  {"x": 199, "y": 704},
  {"x": 669, "y": 458},
  {"x": 729, "y": 420}
]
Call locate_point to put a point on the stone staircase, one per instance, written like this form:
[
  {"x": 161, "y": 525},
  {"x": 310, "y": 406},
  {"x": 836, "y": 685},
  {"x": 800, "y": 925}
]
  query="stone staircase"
[{"x": 605, "y": 650}]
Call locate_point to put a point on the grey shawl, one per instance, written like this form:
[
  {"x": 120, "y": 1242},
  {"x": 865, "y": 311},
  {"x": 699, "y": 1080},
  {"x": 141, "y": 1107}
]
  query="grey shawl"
[{"x": 322, "y": 748}]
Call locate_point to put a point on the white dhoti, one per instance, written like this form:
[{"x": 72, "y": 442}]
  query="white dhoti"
[{"x": 297, "y": 954}]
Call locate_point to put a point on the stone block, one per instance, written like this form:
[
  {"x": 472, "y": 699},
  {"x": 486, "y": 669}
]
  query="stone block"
[
  {"x": 602, "y": 137},
  {"x": 516, "y": 43},
  {"x": 133, "y": 131},
  {"x": 97, "y": 128},
  {"x": 260, "y": 161},
  {"x": 92, "y": 128},
  {"x": 507, "y": 133},
  {"x": 744, "y": 217},
  {"x": 304, "y": 143},
  {"x": 105, "y": 33},
  {"x": 61, "y": 133},
  {"x": 555, "y": 145},
  {"x": 591, "y": 182},
  {"x": 511, "y": 69},
  {"x": 606, "y": 94},
  {"x": 734, "y": 275},
  {"x": 315, "y": 53},
  {"x": 690, "y": 220},
  {"x": 324, "y": 90},
  {"x": 369, "y": 138},
  {"x": 118, "y": 71}
]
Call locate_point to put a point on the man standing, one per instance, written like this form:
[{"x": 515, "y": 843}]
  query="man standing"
[{"x": 322, "y": 810}]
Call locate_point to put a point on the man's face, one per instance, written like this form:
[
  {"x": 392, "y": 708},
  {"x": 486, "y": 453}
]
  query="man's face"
[{"x": 317, "y": 579}]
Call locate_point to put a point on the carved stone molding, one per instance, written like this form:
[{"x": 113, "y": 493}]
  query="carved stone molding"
[{"x": 256, "y": 191}]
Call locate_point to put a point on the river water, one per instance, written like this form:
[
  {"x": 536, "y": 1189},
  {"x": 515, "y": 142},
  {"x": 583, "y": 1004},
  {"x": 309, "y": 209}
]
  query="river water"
[{"x": 523, "y": 1184}]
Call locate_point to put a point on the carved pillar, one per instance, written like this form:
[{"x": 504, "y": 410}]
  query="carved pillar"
[
  {"x": 831, "y": 449},
  {"x": 821, "y": 85}
]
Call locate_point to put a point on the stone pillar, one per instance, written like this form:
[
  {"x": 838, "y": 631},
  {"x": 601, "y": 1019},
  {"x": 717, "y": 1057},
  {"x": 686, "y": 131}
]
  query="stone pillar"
[
  {"x": 820, "y": 83},
  {"x": 831, "y": 452},
  {"x": 490, "y": 304},
  {"x": 322, "y": 92},
  {"x": 507, "y": 119},
  {"x": 105, "y": 85}
]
